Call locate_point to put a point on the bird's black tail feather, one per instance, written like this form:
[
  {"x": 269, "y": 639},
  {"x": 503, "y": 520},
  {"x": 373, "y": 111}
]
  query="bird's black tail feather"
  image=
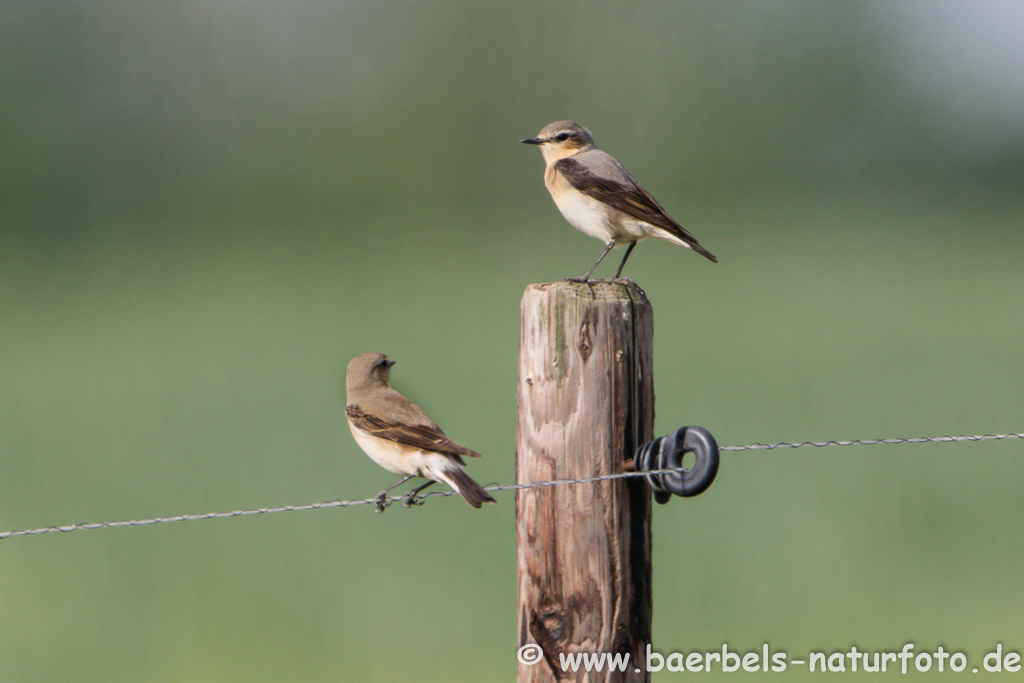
[
  {"x": 703, "y": 252},
  {"x": 467, "y": 488}
]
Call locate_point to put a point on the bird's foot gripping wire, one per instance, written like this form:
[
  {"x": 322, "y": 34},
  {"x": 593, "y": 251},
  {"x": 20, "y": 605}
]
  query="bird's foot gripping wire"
[
  {"x": 410, "y": 499},
  {"x": 381, "y": 501}
]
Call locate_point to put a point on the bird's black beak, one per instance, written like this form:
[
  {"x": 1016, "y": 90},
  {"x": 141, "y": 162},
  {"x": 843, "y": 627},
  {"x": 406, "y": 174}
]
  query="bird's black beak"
[
  {"x": 389, "y": 363},
  {"x": 533, "y": 141}
]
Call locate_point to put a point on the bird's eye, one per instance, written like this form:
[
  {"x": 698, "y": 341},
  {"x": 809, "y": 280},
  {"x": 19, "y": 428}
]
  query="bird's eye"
[{"x": 562, "y": 137}]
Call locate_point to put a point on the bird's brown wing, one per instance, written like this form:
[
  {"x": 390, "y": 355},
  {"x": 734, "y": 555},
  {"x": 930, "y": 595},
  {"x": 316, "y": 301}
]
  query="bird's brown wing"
[
  {"x": 626, "y": 195},
  {"x": 425, "y": 436}
]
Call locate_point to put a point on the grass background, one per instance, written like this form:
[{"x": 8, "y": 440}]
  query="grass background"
[{"x": 208, "y": 208}]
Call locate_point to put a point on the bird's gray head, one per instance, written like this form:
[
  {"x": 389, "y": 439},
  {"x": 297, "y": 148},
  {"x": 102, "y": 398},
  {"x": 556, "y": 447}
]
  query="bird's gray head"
[
  {"x": 368, "y": 370},
  {"x": 561, "y": 139}
]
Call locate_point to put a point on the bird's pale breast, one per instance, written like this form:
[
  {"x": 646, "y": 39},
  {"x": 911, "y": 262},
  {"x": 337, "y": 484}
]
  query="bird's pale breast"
[
  {"x": 583, "y": 212},
  {"x": 402, "y": 459},
  {"x": 388, "y": 454},
  {"x": 595, "y": 218}
]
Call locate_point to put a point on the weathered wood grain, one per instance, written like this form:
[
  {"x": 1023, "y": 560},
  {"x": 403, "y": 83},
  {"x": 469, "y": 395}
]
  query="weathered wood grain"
[{"x": 586, "y": 402}]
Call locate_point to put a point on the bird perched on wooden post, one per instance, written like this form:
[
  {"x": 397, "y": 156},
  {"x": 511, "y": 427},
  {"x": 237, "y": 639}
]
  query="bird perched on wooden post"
[
  {"x": 398, "y": 435},
  {"x": 599, "y": 197}
]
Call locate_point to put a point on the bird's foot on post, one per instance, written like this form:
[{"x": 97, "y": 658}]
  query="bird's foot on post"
[
  {"x": 629, "y": 249},
  {"x": 585, "y": 280}
]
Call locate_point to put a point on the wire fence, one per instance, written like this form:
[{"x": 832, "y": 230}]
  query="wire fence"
[{"x": 498, "y": 487}]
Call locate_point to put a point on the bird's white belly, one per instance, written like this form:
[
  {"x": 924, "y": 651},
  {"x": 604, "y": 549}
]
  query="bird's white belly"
[
  {"x": 398, "y": 459},
  {"x": 595, "y": 218},
  {"x": 585, "y": 213}
]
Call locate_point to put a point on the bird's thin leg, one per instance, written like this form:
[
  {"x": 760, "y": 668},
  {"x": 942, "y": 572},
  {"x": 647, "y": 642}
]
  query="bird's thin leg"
[
  {"x": 410, "y": 498},
  {"x": 381, "y": 501},
  {"x": 628, "y": 249},
  {"x": 607, "y": 248}
]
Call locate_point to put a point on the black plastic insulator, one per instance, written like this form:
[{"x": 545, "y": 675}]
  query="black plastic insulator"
[{"x": 667, "y": 452}]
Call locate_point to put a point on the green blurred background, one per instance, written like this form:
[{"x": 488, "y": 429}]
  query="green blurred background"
[{"x": 207, "y": 208}]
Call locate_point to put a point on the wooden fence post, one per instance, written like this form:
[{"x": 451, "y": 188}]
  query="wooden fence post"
[{"x": 586, "y": 403}]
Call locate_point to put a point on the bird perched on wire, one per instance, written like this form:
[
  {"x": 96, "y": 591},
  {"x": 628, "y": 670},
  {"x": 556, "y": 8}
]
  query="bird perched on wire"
[
  {"x": 398, "y": 435},
  {"x": 599, "y": 197}
]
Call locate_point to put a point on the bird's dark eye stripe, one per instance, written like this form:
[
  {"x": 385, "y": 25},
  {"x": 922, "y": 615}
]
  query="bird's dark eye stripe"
[{"x": 562, "y": 137}]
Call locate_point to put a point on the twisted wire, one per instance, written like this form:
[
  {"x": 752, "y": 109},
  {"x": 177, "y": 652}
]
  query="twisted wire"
[{"x": 503, "y": 487}]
